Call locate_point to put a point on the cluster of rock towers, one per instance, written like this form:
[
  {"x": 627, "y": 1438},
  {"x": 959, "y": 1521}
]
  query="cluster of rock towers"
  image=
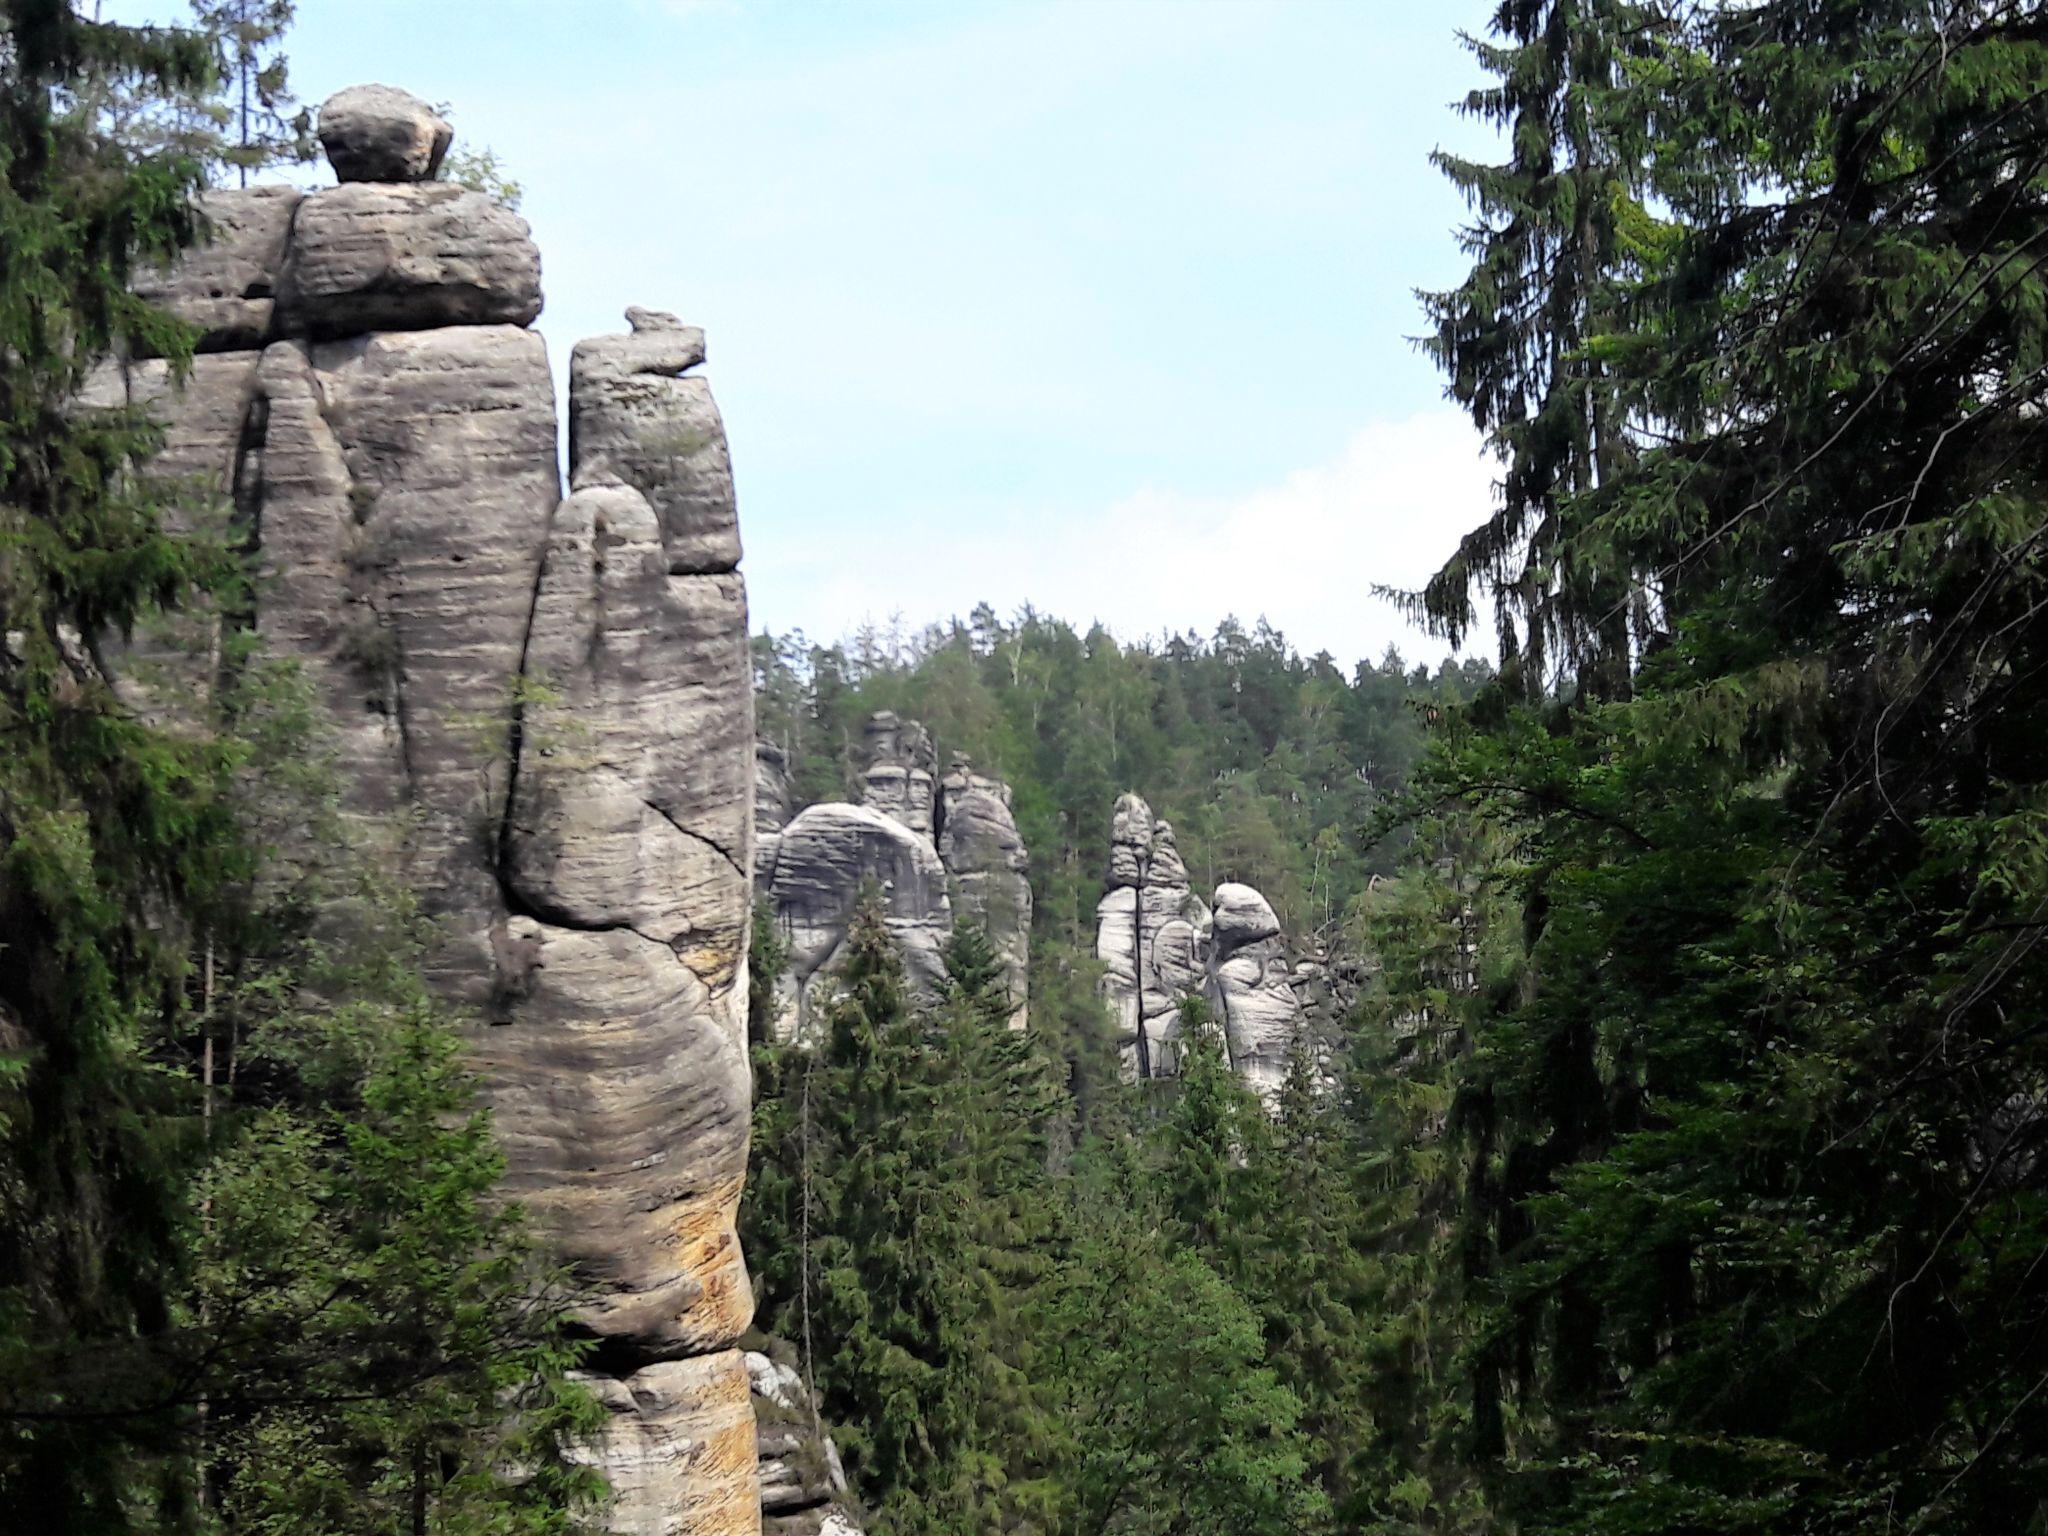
[
  {"x": 550, "y": 692},
  {"x": 935, "y": 848},
  {"x": 1161, "y": 944}
]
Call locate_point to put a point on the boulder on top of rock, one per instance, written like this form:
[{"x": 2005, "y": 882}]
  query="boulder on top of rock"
[
  {"x": 380, "y": 133},
  {"x": 1251, "y": 990},
  {"x": 370, "y": 257},
  {"x": 1242, "y": 916}
]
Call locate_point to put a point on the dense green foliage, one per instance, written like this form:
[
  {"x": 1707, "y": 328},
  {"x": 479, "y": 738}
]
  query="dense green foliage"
[
  {"x": 1267, "y": 762},
  {"x": 253, "y": 1276},
  {"x": 1749, "y": 1115},
  {"x": 1682, "y": 1171},
  {"x": 1003, "y": 1338}
]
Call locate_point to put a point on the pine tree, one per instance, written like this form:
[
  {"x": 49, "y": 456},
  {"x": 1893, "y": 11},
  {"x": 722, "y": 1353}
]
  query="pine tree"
[
  {"x": 115, "y": 837},
  {"x": 1519, "y": 337},
  {"x": 415, "y": 1375},
  {"x": 1179, "y": 1424},
  {"x": 256, "y": 122},
  {"x": 1750, "y": 1136}
]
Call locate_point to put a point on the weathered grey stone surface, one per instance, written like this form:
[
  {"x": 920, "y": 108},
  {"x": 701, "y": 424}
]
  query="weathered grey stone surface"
[
  {"x": 1152, "y": 935},
  {"x": 559, "y": 716},
  {"x": 771, "y": 811},
  {"x": 372, "y": 257},
  {"x": 987, "y": 862},
  {"x": 901, "y": 778},
  {"x": 380, "y": 133},
  {"x": 406, "y": 482},
  {"x": 1251, "y": 991},
  {"x": 679, "y": 1453},
  {"x": 633, "y": 800},
  {"x": 634, "y": 416},
  {"x": 771, "y": 788},
  {"x": 226, "y": 286},
  {"x": 206, "y": 421},
  {"x": 826, "y": 854},
  {"x": 803, "y": 1485},
  {"x": 619, "y": 1086},
  {"x": 933, "y": 858}
]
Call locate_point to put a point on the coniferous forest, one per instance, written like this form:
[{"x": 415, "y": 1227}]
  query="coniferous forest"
[{"x": 1677, "y": 1161}]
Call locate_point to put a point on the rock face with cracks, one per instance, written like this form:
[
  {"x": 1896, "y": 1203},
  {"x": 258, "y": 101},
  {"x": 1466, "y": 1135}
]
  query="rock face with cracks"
[
  {"x": 1161, "y": 946},
  {"x": 226, "y": 286},
  {"x": 551, "y": 695},
  {"x": 986, "y": 863},
  {"x": 935, "y": 850},
  {"x": 1152, "y": 936},
  {"x": 902, "y": 773},
  {"x": 369, "y": 257},
  {"x": 1250, "y": 989},
  {"x": 824, "y": 858}
]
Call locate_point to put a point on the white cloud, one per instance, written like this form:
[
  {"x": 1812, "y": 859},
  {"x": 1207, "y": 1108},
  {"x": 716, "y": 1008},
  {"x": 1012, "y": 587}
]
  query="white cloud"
[{"x": 1304, "y": 553}]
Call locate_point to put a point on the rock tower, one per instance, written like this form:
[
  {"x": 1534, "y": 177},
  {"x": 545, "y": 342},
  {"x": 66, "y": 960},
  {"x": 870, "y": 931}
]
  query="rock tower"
[
  {"x": 1161, "y": 944},
  {"x": 554, "y": 692},
  {"x": 935, "y": 848}
]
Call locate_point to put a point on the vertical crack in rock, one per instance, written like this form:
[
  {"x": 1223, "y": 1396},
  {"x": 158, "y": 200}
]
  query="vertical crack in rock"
[{"x": 1141, "y": 960}]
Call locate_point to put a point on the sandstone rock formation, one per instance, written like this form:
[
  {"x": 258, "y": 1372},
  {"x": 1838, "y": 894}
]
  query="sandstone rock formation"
[
  {"x": 901, "y": 774},
  {"x": 935, "y": 851},
  {"x": 369, "y": 257},
  {"x": 1250, "y": 989},
  {"x": 1161, "y": 945},
  {"x": 771, "y": 811},
  {"x": 824, "y": 857},
  {"x": 551, "y": 695},
  {"x": 803, "y": 1485},
  {"x": 226, "y": 287},
  {"x": 1152, "y": 936},
  {"x": 637, "y": 415},
  {"x": 986, "y": 862},
  {"x": 380, "y": 133}
]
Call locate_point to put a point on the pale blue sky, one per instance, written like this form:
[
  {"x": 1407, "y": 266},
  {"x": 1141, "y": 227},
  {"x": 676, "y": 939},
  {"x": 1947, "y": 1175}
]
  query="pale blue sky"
[{"x": 1099, "y": 304}]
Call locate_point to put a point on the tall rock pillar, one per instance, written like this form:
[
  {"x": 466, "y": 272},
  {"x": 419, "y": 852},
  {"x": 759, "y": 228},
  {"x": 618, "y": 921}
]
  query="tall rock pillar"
[
  {"x": 986, "y": 862},
  {"x": 552, "y": 697},
  {"x": 626, "y": 861},
  {"x": 1152, "y": 936}
]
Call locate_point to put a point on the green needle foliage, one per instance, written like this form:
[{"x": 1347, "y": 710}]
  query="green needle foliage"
[
  {"x": 1751, "y": 1204},
  {"x": 116, "y": 839}
]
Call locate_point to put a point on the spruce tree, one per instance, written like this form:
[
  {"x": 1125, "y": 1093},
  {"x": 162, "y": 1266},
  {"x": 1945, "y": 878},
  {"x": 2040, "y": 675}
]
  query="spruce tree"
[
  {"x": 115, "y": 837},
  {"x": 1751, "y": 1134}
]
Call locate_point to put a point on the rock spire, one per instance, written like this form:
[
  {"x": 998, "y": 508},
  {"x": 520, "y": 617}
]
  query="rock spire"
[
  {"x": 554, "y": 696},
  {"x": 936, "y": 849},
  {"x": 1161, "y": 945}
]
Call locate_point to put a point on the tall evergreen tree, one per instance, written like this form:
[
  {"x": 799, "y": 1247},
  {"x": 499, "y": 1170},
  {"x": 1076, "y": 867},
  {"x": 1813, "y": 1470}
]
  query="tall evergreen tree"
[
  {"x": 1751, "y": 1133},
  {"x": 116, "y": 841}
]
